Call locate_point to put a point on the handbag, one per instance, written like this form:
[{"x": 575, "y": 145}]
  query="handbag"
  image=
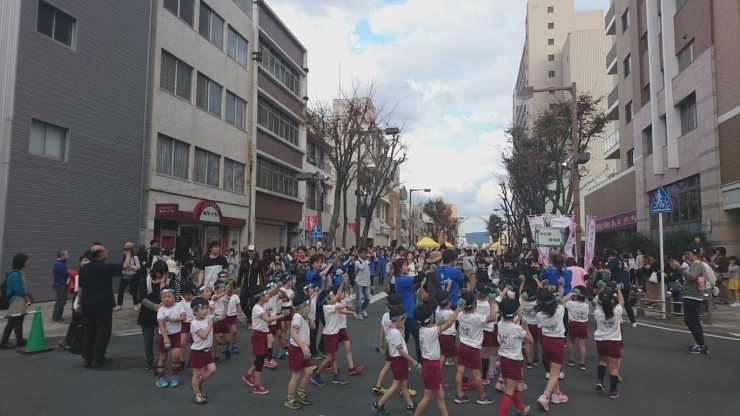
[
  {"x": 75, "y": 344},
  {"x": 653, "y": 278}
]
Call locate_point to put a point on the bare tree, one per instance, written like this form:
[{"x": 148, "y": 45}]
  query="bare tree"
[{"x": 441, "y": 218}]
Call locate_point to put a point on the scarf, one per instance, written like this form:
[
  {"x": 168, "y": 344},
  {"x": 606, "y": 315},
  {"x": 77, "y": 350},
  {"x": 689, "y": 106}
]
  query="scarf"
[{"x": 149, "y": 282}]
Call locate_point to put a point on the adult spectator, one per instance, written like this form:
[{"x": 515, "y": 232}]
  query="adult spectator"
[
  {"x": 74, "y": 323},
  {"x": 405, "y": 290},
  {"x": 250, "y": 274},
  {"x": 448, "y": 271},
  {"x": 127, "y": 280},
  {"x": 147, "y": 320},
  {"x": 363, "y": 280},
  {"x": 15, "y": 291},
  {"x": 620, "y": 272},
  {"x": 721, "y": 263},
  {"x": 694, "y": 287},
  {"x": 154, "y": 251},
  {"x": 382, "y": 262},
  {"x": 97, "y": 302},
  {"x": 211, "y": 265},
  {"x": 431, "y": 285},
  {"x": 469, "y": 268},
  {"x": 557, "y": 270},
  {"x": 481, "y": 269},
  {"x": 579, "y": 273},
  {"x": 61, "y": 274}
]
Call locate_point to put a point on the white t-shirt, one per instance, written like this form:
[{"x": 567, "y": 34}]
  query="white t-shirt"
[
  {"x": 289, "y": 293},
  {"x": 577, "y": 311},
  {"x": 172, "y": 312},
  {"x": 529, "y": 313},
  {"x": 484, "y": 308},
  {"x": 342, "y": 318},
  {"x": 312, "y": 311},
  {"x": 552, "y": 326},
  {"x": 331, "y": 315},
  {"x": 188, "y": 310},
  {"x": 200, "y": 344},
  {"x": 304, "y": 330},
  {"x": 429, "y": 339},
  {"x": 510, "y": 337},
  {"x": 233, "y": 302},
  {"x": 396, "y": 341},
  {"x": 218, "y": 304},
  {"x": 275, "y": 307},
  {"x": 447, "y": 313},
  {"x": 608, "y": 329},
  {"x": 259, "y": 324},
  {"x": 471, "y": 329}
]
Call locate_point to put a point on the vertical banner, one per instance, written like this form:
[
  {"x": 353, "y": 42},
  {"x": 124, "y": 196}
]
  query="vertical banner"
[
  {"x": 535, "y": 222},
  {"x": 565, "y": 221},
  {"x": 590, "y": 242},
  {"x": 311, "y": 221},
  {"x": 352, "y": 226}
]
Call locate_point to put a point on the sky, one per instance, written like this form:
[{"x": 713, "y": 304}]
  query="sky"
[{"x": 446, "y": 69}]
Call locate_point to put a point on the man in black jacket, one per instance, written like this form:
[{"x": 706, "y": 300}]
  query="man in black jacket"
[{"x": 250, "y": 275}]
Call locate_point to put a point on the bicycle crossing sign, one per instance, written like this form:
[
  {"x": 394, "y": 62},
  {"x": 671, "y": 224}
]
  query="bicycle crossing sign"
[
  {"x": 661, "y": 202},
  {"x": 316, "y": 232}
]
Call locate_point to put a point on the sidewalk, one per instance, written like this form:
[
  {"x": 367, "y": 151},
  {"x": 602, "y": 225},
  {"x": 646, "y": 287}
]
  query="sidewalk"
[{"x": 725, "y": 319}]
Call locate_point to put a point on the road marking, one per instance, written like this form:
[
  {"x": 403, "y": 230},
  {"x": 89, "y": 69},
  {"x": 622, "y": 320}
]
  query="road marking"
[
  {"x": 378, "y": 296},
  {"x": 687, "y": 332},
  {"x": 125, "y": 334},
  {"x": 737, "y": 335}
]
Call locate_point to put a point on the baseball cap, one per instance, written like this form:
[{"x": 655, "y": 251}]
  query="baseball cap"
[
  {"x": 244, "y": 247},
  {"x": 693, "y": 249},
  {"x": 250, "y": 248}
]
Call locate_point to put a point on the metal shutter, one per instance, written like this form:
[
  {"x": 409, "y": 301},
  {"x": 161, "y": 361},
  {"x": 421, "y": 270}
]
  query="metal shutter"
[{"x": 267, "y": 236}]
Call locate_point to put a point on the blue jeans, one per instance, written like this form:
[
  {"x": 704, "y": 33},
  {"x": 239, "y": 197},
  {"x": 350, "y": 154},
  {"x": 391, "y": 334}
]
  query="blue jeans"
[{"x": 362, "y": 297}]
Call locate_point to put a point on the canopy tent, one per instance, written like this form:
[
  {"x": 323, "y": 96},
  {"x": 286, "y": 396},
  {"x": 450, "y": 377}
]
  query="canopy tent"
[{"x": 427, "y": 242}]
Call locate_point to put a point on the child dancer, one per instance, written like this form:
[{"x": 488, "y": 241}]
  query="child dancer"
[
  {"x": 221, "y": 329},
  {"x": 431, "y": 371},
  {"x": 188, "y": 294},
  {"x": 512, "y": 331},
  {"x": 385, "y": 326},
  {"x": 577, "y": 325},
  {"x": 471, "y": 339},
  {"x": 532, "y": 350},
  {"x": 260, "y": 321},
  {"x": 550, "y": 316},
  {"x": 399, "y": 363},
  {"x": 332, "y": 308},
  {"x": 353, "y": 369},
  {"x": 201, "y": 358},
  {"x": 287, "y": 322},
  {"x": 275, "y": 307},
  {"x": 299, "y": 354},
  {"x": 447, "y": 343},
  {"x": 489, "y": 349},
  {"x": 169, "y": 317},
  {"x": 608, "y": 336},
  {"x": 233, "y": 315}
]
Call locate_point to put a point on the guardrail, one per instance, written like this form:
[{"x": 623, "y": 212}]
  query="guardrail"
[{"x": 673, "y": 307}]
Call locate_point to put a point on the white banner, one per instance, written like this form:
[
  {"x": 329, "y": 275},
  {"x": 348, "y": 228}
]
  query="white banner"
[
  {"x": 537, "y": 221},
  {"x": 590, "y": 241},
  {"x": 565, "y": 221}
]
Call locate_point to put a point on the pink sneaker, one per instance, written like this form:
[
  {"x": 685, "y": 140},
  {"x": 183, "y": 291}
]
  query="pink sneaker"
[
  {"x": 490, "y": 374},
  {"x": 500, "y": 386},
  {"x": 521, "y": 386},
  {"x": 266, "y": 363},
  {"x": 558, "y": 397},
  {"x": 259, "y": 389},
  {"x": 272, "y": 364},
  {"x": 248, "y": 379},
  {"x": 544, "y": 402},
  {"x": 485, "y": 382}
]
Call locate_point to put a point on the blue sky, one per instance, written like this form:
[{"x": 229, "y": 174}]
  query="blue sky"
[{"x": 448, "y": 72}]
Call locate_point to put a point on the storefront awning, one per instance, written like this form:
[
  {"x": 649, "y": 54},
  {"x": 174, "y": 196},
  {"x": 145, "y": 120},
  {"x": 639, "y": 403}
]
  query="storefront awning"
[
  {"x": 204, "y": 211},
  {"x": 620, "y": 222}
]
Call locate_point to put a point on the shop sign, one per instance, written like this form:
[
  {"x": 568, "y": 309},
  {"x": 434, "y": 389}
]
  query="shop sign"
[
  {"x": 167, "y": 210},
  {"x": 628, "y": 218},
  {"x": 383, "y": 229},
  {"x": 207, "y": 211}
]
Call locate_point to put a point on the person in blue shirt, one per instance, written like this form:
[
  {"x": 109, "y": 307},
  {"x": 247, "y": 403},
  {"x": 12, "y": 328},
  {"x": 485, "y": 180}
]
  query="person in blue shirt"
[
  {"x": 557, "y": 270},
  {"x": 373, "y": 260},
  {"x": 405, "y": 290},
  {"x": 381, "y": 266},
  {"x": 60, "y": 274},
  {"x": 317, "y": 275},
  {"x": 15, "y": 292},
  {"x": 448, "y": 271}
]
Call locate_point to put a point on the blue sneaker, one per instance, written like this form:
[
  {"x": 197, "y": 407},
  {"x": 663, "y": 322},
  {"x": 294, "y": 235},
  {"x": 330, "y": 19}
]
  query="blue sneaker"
[
  {"x": 485, "y": 400},
  {"x": 162, "y": 382},
  {"x": 380, "y": 410},
  {"x": 234, "y": 349},
  {"x": 524, "y": 412},
  {"x": 281, "y": 353},
  {"x": 462, "y": 399},
  {"x": 317, "y": 380},
  {"x": 174, "y": 381},
  {"x": 338, "y": 379}
]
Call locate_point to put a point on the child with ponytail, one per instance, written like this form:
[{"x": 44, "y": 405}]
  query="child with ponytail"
[{"x": 608, "y": 336}]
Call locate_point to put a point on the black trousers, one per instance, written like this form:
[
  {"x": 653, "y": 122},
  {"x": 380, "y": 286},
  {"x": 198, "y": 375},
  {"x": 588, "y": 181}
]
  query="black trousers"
[
  {"x": 14, "y": 324},
  {"x": 628, "y": 303},
  {"x": 98, "y": 328},
  {"x": 133, "y": 286},
  {"x": 691, "y": 311},
  {"x": 411, "y": 329},
  {"x": 314, "y": 333},
  {"x": 73, "y": 326},
  {"x": 150, "y": 336}
]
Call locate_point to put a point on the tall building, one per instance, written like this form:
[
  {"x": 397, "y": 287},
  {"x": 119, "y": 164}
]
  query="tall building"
[
  {"x": 677, "y": 102},
  {"x": 320, "y": 190}
]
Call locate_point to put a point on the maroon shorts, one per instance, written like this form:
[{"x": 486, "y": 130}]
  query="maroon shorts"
[
  {"x": 221, "y": 327},
  {"x": 536, "y": 333},
  {"x": 174, "y": 342},
  {"x": 273, "y": 329},
  {"x": 447, "y": 346},
  {"x": 387, "y": 355},
  {"x": 343, "y": 335},
  {"x": 259, "y": 343},
  {"x": 399, "y": 367},
  {"x": 468, "y": 357},
  {"x": 612, "y": 349},
  {"x": 577, "y": 330},
  {"x": 495, "y": 337},
  {"x": 511, "y": 369},
  {"x": 185, "y": 328},
  {"x": 488, "y": 338},
  {"x": 200, "y": 358},
  {"x": 431, "y": 374},
  {"x": 232, "y": 320},
  {"x": 331, "y": 343},
  {"x": 552, "y": 350},
  {"x": 296, "y": 362}
]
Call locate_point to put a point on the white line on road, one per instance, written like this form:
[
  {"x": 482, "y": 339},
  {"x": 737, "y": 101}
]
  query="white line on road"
[
  {"x": 128, "y": 333},
  {"x": 378, "y": 296},
  {"x": 687, "y": 332}
]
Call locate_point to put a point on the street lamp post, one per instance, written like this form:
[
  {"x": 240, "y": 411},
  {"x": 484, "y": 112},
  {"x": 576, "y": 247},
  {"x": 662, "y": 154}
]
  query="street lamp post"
[
  {"x": 527, "y": 93},
  {"x": 413, "y": 216}
]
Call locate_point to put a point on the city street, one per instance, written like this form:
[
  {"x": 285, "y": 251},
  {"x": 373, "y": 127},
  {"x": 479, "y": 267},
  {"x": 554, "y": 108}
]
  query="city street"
[{"x": 659, "y": 378}]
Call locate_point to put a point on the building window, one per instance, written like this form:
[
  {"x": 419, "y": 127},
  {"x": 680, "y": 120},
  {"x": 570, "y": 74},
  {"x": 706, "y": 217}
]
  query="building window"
[
  {"x": 276, "y": 178},
  {"x": 236, "y": 47},
  {"x": 56, "y": 24},
  {"x": 235, "y": 110},
  {"x": 315, "y": 155},
  {"x": 686, "y": 56},
  {"x": 173, "y": 157},
  {"x": 551, "y": 74},
  {"x": 644, "y": 43},
  {"x": 646, "y": 93},
  {"x": 628, "y": 112},
  {"x": 688, "y": 114},
  {"x": 211, "y": 26},
  {"x": 686, "y": 197},
  {"x": 277, "y": 121},
  {"x": 551, "y": 25},
  {"x": 551, "y": 41},
  {"x": 208, "y": 95},
  {"x": 626, "y": 20},
  {"x": 550, "y": 9},
  {"x": 207, "y": 167},
  {"x": 648, "y": 134},
  {"x": 184, "y": 9},
  {"x": 233, "y": 176},
  {"x": 48, "y": 140},
  {"x": 627, "y": 65},
  {"x": 550, "y": 58},
  {"x": 311, "y": 196},
  {"x": 630, "y": 158},
  {"x": 280, "y": 67},
  {"x": 175, "y": 76}
]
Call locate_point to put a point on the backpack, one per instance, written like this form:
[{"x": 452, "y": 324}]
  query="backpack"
[
  {"x": 709, "y": 275},
  {"x": 4, "y": 299}
]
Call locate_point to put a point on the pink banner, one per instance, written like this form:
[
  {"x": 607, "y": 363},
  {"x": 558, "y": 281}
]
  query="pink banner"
[
  {"x": 535, "y": 222},
  {"x": 590, "y": 241},
  {"x": 352, "y": 226},
  {"x": 311, "y": 220}
]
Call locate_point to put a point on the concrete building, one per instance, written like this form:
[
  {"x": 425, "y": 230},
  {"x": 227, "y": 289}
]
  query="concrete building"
[
  {"x": 678, "y": 104},
  {"x": 73, "y": 84},
  {"x": 319, "y": 193}
]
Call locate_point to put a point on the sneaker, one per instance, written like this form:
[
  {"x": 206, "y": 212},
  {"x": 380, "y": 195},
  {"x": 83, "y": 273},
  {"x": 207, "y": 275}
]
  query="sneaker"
[
  {"x": 410, "y": 410},
  {"x": 500, "y": 387},
  {"x": 200, "y": 398},
  {"x": 379, "y": 391},
  {"x": 281, "y": 354},
  {"x": 364, "y": 314},
  {"x": 162, "y": 382},
  {"x": 485, "y": 382},
  {"x": 249, "y": 326},
  {"x": 329, "y": 370},
  {"x": 136, "y": 308},
  {"x": 303, "y": 399},
  {"x": 227, "y": 354},
  {"x": 449, "y": 362},
  {"x": 570, "y": 363},
  {"x": 149, "y": 365},
  {"x": 703, "y": 349},
  {"x": 338, "y": 379},
  {"x": 582, "y": 367},
  {"x": 485, "y": 400},
  {"x": 248, "y": 379},
  {"x": 117, "y": 308},
  {"x": 356, "y": 370},
  {"x": 259, "y": 389},
  {"x": 544, "y": 402},
  {"x": 524, "y": 412},
  {"x": 412, "y": 392},
  {"x": 696, "y": 349},
  {"x": 467, "y": 385},
  {"x": 317, "y": 380},
  {"x": 272, "y": 364},
  {"x": 562, "y": 375},
  {"x": 380, "y": 411},
  {"x": 462, "y": 399},
  {"x": 292, "y": 404},
  {"x": 63, "y": 345},
  {"x": 174, "y": 381},
  {"x": 614, "y": 394},
  {"x": 633, "y": 324},
  {"x": 521, "y": 386},
  {"x": 359, "y": 317},
  {"x": 536, "y": 361},
  {"x": 490, "y": 375},
  {"x": 528, "y": 365},
  {"x": 599, "y": 385},
  {"x": 558, "y": 397},
  {"x": 547, "y": 376}
]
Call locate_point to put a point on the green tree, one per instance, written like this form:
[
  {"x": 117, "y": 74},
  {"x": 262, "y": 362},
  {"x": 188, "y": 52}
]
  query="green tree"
[{"x": 494, "y": 226}]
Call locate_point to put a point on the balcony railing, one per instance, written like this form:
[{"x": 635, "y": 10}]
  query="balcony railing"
[
  {"x": 611, "y": 145},
  {"x": 311, "y": 203},
  {"x": 611, "y": 60},
  {"x": 612, "y": 106},
  {"x": 326, "y": 167},
  {"x": 610, "y": 21},
  {"x": 317, "y": 206}
]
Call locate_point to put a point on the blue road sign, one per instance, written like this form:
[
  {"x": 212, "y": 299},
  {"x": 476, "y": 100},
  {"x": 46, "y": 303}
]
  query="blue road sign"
[
  {"x": 316, "y": 232},
  {"x": 661, "y": 202}
]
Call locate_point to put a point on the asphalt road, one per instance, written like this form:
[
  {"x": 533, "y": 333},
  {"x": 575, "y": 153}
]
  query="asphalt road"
[{"x": 659, "y": 379}]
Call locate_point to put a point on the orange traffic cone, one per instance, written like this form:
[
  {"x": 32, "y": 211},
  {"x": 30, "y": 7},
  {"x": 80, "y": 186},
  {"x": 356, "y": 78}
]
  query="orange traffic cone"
[{"x": 36, "y": 342}]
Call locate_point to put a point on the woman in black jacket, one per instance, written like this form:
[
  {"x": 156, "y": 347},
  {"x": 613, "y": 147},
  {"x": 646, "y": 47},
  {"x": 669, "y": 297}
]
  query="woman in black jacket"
[{"x": 150, "y": 300}]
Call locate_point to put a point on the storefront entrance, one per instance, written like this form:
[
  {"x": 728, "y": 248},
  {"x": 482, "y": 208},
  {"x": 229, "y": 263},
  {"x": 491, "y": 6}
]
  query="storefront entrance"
[{"x": 268, "y": 236}]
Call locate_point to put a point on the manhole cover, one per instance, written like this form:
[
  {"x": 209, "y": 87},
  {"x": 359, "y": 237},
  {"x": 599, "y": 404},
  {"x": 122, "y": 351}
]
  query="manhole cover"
[{"x": 122, "y": 363}]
